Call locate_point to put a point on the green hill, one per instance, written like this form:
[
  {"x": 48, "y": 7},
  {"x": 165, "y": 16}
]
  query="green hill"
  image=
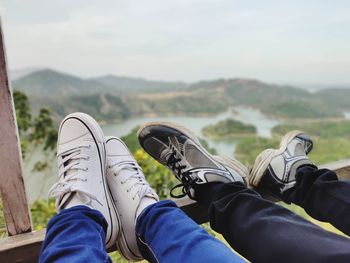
[
  {"x": 229, "y": 128},
  {"x": 116, "y": 98},
  {"x": 130, "y": 85}
]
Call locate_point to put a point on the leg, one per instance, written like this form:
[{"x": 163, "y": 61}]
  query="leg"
[
  {"x": 322, "y": 195},
  {"x": 76, "y": 234},
  {"x": 287, "y": 174},
  {"x": 166, "y": 234},
  {"x": 86, "y": 221},
  {"x": 259, "y": 229},
  {"x": 163, "y": 232},
  {"x": 265, "y": 232}
]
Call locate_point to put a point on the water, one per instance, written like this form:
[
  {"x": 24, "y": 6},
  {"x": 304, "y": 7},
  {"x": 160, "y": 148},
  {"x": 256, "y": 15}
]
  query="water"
[
  {"x": 38, "y": 183},
  {"x": 196, "y": 124}
]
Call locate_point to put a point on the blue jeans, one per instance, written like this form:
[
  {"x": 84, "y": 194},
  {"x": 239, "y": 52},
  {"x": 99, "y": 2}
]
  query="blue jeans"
[{"x": 166, "y": 234}]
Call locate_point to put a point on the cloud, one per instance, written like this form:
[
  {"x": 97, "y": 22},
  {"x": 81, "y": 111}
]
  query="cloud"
[{"x": 188, "y": 40}]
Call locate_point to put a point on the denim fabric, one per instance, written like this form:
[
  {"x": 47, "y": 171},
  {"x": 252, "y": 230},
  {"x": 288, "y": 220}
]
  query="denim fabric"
[
  {"x": 323, "y": 196},
  {"x": 263, "y": 231},
  {"x": 76, "y": 234},
  {"x": 167, "y": 234}
]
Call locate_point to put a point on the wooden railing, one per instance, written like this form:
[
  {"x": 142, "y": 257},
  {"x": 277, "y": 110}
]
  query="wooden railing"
[{"x": 23, "y": 244}]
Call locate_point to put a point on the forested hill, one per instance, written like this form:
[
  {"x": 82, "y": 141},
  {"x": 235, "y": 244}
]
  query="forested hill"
[
  {"x": 116, "y": 98},
  {"x": 48, "y": 82}
]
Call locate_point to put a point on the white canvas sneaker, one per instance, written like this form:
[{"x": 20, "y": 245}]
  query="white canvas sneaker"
[
  {"x": 131, "y": 193},
  {"x": 82, "y": 164}
]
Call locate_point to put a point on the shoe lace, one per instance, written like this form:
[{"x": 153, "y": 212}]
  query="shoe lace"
[
  {"x": 136, "y": 177},
  {"x": 187, "y": 181},
  {"x": 70, "y": 161}
]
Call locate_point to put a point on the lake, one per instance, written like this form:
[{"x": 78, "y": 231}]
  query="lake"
[
  {"x": 246, "y": 115},
  {"x": 38, "y": 183}
]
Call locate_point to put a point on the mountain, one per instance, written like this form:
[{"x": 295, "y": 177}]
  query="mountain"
[
  {"x": 51, "y": 83},
  {"x": 18, "y": 73},
  {"x": 48, "y": 82},
  {"x": 129, "y": 85},
  {"x": 116, "y": 98}
]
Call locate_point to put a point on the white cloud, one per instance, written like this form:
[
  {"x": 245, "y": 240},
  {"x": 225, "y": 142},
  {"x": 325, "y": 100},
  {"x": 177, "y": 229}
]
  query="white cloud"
[{"x": 184, "y": 39}]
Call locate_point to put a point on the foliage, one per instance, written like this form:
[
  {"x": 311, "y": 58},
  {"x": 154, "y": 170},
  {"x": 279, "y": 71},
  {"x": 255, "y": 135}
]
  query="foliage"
[
  {"x": 158, "y": 176},
  {"x": 248, "y": 149},
  {"x": 329, "y": 150},
  {"x": 299, "y": 109},
  {"x": 229, "y": 128},
  {"x": 324, "y": 150},
  {"x": 39, "y": 131},
  {"x": 2, "y": 222},
  {"x": 42, "y": 211},
  {"x": 131, "y": 140},
  {"x": 323, "y": 129},
  {"x": 23, "y": 111}
]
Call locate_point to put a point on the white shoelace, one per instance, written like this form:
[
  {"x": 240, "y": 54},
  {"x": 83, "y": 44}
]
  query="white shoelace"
[
  {"x": 136, "y": 176},
  {"x": 70, "y": 162}
]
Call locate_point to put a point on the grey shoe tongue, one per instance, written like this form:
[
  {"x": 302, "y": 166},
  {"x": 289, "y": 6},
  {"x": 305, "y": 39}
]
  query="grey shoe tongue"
[
  {"x": 297, "y": 147},
  {"x": 195, "y": 157}
]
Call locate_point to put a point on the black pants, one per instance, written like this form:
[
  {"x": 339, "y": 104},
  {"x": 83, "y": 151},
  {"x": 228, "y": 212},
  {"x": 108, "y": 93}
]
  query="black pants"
[{"x": 263, "y": 231}]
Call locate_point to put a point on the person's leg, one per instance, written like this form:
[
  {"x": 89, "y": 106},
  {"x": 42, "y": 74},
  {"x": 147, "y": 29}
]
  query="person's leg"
[
  {"x": 258, "y": 229},
  {"x": 287, "y": 174},
  {"x": 163, "y": 232},
  {"x": 263, "y": 231},
  {"x": 76, "y": 234},
  {"x": 87, "y": 220},
  {"x": 322, "y": 195},
  {"x": 167, "y": 234}
]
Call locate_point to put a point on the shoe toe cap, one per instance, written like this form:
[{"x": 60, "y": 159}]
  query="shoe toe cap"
[
  {"x": 115, "y": 147},
  {"x": 72, "y": 129}
]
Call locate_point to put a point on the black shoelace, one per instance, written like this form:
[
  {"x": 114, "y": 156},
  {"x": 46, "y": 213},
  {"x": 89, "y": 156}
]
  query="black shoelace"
[{"x": 186, "y": 180}]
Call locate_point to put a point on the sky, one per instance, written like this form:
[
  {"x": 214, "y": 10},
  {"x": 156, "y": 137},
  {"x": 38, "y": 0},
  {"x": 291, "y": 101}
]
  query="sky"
[{"x": 276, "y": 41}]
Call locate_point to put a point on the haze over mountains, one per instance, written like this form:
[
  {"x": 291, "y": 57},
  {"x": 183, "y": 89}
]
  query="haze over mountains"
[{"x": 116, "y": 98}]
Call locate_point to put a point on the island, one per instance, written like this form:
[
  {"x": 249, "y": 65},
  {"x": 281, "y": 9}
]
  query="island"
[{"x": 229, "y": 128}]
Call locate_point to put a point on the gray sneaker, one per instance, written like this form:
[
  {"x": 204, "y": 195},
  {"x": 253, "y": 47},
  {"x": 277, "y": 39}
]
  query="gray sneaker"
[
  {"x": 179, "y": 149},
  {"x": 274, "y": 170}
]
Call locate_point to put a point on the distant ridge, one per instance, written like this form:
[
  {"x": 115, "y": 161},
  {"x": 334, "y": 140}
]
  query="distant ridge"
[
  {"x": 21, "y": 72},
  {"x": 48, "y": 82},
  {"x": 116, "y": 98}
]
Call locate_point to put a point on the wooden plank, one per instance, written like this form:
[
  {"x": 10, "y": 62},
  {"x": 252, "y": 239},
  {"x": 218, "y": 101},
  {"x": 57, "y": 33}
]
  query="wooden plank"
[
  {"x": 342, "y": 168},
  {"x": 22, "y": 248},
  {"x": 198, "y": 213},
  {"x": 13, "y": 195}
]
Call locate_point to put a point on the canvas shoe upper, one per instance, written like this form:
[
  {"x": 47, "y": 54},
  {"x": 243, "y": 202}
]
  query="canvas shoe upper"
[
  {"x": 274, "y": 170},
  {"x": 82, "y": 163},
  {"x": 131, "y": 193},
  {"x": 179, "y": 149}
]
